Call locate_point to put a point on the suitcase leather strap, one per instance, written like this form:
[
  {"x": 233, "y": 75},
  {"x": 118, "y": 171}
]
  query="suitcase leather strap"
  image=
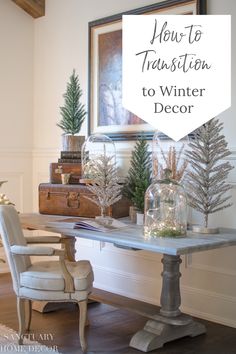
[{"x": 72, "y": 198}]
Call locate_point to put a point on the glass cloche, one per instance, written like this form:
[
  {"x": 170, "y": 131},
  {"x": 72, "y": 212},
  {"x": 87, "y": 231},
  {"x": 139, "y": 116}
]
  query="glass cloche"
[
  {"x": 95, "y": 146},
  {"x": 165, "y": 208}
]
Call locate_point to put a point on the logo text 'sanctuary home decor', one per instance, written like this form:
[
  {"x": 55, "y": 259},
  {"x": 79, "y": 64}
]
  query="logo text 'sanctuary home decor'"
[{"x": 9, "y": 342}]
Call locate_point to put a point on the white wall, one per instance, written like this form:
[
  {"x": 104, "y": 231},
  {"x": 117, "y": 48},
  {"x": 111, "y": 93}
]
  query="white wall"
[
  {"x": 16, "y": 108},
  {"x": 60, "y": 44}
]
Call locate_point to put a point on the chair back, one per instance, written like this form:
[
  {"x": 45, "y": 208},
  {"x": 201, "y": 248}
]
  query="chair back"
[{"x": 11, "y": 234}]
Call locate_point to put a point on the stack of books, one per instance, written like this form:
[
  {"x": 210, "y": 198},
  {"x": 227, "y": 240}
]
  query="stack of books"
[
  {"x": 70, "y": 157},
  {"x": 68, "y": 163}
]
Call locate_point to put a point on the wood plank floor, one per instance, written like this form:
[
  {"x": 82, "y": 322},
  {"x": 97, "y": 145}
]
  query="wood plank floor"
[{"x": 110, "y": 329}]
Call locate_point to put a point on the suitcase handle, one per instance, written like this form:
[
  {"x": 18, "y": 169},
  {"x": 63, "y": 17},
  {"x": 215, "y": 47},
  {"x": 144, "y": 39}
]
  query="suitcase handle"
[{"x": 72, "y": 198}]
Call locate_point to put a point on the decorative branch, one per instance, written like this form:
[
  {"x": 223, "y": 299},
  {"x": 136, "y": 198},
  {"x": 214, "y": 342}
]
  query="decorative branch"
[{"x": 171, "y": 161}]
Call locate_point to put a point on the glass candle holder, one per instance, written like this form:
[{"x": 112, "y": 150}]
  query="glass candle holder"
[{"x": 165, "y": 208}]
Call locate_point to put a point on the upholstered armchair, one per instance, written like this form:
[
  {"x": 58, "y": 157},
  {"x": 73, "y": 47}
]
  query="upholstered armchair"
[
  {"x": 53, "y": 281},
  {"x": 1, "y": 260}
]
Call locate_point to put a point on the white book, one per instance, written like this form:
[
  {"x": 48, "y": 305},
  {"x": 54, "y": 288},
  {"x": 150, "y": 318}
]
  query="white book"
[{"x": 88, "y": 224}]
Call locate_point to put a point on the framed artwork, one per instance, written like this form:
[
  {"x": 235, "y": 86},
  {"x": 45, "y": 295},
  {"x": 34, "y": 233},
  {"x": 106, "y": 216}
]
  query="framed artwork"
[{"x": 105, "y": 111}]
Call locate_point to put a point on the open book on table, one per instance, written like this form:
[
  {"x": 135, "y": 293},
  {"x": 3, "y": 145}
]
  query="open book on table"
[{"x": 87, "y": 224}]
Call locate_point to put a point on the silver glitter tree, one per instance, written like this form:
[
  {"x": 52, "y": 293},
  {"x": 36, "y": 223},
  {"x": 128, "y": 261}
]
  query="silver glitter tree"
[
  {"x": 104, "y": 187},
  {"x": 207, "y": 173}
]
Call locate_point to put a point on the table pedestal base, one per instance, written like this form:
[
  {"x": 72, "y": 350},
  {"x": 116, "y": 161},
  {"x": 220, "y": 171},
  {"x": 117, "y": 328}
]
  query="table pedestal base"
[
  {"x": 170, "y": 323},
  {"x": 155, "y": 334}
]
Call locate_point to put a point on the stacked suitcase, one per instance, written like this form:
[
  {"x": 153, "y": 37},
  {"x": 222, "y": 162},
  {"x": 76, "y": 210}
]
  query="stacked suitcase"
[{"x": 70, "y": 199}]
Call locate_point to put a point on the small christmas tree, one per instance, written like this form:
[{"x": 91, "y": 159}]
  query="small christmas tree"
[
  {"x": 139, "y": 174},
  {"x": 206, "y": 178},
  {"x": 105, "y": 188},
  {"x": 73, "y": 112}
]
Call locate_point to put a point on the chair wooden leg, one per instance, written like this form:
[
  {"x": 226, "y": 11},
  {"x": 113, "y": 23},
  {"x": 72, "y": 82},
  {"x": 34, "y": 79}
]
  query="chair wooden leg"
[
  {"x": 29, "y": 314},
  {"x": 82, "y": 321},
  {"x": 87, "y": 321},
  {"x": 21, "y": 318}
]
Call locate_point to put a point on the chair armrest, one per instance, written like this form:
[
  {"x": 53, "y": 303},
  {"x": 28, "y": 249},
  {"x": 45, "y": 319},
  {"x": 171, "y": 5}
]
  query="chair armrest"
[
  {"x": 69, "y": 281},
  {"x": 32, "y": 250},
  {"x": 43, "y": 239},
  {"x": 48, "y": 251}
]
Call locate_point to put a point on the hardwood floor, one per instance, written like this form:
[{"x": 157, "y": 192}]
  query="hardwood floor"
[{"x": 110, "y": 329}]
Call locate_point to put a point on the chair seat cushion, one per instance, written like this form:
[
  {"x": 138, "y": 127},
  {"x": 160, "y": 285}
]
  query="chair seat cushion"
[{"x": 47, "y": 275}]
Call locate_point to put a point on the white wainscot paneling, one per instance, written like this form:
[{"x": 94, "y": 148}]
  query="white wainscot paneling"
[
  {"x": 209, "y": 285},
  {"x": 41, "y": 165},
  {"x": 135, "y": 274},
  {"x": 128, "y": 284},
  {"x": 16, "y": 168},
  {"x": 14, "y": 188}
]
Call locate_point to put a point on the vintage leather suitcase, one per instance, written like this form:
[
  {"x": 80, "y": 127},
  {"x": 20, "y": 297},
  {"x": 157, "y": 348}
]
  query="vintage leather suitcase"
[
  {"x": 56, "y": 169},
  {"x": 65, "y": 199}
]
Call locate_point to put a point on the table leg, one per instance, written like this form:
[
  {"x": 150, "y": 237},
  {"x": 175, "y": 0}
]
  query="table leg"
[
  {"x": 170, "y": 323},
  {"x": 69, "y": 243}
]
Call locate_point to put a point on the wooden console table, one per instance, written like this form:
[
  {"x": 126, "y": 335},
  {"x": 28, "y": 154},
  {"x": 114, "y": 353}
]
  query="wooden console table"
[{"x": 169, "y": 324}]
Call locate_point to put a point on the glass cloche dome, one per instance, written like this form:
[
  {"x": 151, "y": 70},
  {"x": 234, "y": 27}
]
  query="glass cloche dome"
[
  {"x": 165, "y": 208},
  {"x": 95, "y": 146}
]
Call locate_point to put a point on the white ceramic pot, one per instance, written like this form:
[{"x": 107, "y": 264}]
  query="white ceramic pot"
[
  {"x": 139, "y": 218},
  {"x": 132, "y": 213}
]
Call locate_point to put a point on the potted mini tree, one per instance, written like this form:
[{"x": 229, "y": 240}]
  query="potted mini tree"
[
  {"x": 139, "y": 176},
  {"x": 73, "y": 114}
]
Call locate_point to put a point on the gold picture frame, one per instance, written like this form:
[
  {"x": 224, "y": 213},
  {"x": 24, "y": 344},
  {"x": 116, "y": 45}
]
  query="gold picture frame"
[{"x": 105, "y": 112}]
